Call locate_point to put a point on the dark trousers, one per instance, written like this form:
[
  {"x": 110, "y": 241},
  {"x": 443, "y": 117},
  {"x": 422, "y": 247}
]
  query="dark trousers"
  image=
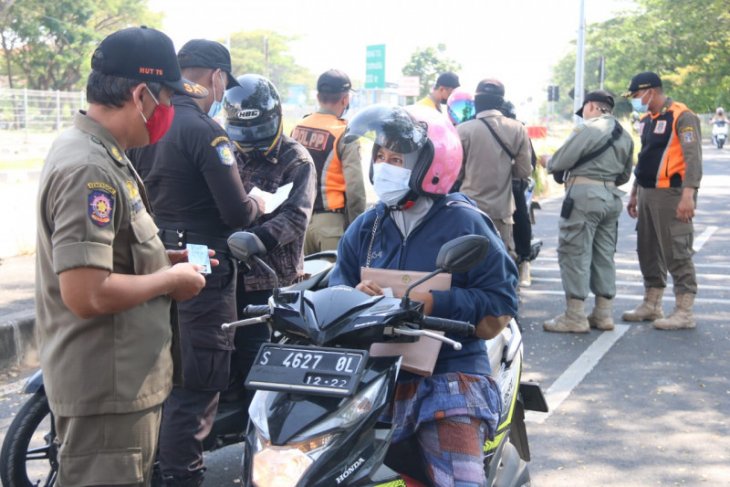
[
  {"x": 189, "y": 411},
  {"x": 247, "y": 341},
  {"x": 522, "y": 229}
]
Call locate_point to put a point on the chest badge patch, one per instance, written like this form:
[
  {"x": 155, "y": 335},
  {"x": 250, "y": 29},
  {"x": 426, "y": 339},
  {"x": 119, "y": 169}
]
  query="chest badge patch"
[
  {"x": 661, "y": 127},
  {"x": 100, "y": 207}
]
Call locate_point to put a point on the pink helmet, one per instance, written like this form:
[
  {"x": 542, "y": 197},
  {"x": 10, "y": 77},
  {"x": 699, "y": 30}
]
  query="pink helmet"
[{"x": 436, "y": 176}]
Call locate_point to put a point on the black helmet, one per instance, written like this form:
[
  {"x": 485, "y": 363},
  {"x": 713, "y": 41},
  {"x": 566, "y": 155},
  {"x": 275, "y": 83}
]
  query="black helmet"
[{"x": 253, "y": 112}]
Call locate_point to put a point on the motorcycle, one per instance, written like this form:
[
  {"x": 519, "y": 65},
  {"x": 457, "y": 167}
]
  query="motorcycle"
[
  {"x": 719, "y": 133},
  {"x": 314, "y": 418},
  {"x": 29, "y": 455},
  {"x": 532, "y": 205}
]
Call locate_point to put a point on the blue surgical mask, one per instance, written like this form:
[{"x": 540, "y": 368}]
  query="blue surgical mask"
[
  {"x": 390, "y": 182},
  {"x": 216, "y": 107},
  {"x": 638, "y": 106}
]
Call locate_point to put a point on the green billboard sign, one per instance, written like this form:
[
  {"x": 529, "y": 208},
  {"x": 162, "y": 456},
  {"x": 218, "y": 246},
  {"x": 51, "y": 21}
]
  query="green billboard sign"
[{"x": 375, "y": 67}]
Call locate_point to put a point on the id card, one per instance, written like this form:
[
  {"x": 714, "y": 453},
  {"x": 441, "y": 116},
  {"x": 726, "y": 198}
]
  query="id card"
[{"x": 198, "y": 254}]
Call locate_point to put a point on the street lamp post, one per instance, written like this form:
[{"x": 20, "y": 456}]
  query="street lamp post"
[{"x": 579, "y": 62}]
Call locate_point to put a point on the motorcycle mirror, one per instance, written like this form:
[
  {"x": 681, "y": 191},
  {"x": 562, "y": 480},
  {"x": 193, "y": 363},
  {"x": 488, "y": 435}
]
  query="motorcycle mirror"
[
  {"x": 462, "y": 254},
  {"x": 245, "y": 245},
  {"x": 458, "y": 255}
]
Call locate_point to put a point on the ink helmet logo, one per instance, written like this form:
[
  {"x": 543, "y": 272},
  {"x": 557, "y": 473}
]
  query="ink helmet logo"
[{"x": 248, "y": 114}]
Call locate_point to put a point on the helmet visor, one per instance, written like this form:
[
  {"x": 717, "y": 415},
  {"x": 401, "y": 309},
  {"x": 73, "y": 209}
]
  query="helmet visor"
[
  {"x": 253, "y": 133},
  {"x": 387, "y": 126}
]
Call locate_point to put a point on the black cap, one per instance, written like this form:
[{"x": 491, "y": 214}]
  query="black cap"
[
  {"x": 143, "y": 54},
  {"x": 490, "y": 87},
  {"x": 202, "y": 53},
  {"x": 599, "y": 96},
  {"x": 333, "y": 81},
  {"x": 448, "y": 80},
  {"x": 642, "y": 81}
]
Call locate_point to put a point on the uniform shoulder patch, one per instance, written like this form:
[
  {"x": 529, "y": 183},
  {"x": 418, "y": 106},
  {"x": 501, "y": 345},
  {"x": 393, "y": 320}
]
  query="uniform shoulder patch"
[
  {"x": 224, "y": 150},
  {"x": 100, "y": 203},
  {"x": 688, "y": 135}
]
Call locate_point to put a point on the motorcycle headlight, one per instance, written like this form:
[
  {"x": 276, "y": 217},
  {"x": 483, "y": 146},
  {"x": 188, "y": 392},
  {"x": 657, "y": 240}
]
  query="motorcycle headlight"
[
  {"x": 354, "y": 410},
  {"x": 279, "y": 466}
]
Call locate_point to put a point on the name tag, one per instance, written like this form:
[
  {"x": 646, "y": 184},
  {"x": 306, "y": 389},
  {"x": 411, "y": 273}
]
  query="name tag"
[{"x": 661, "y": 127}]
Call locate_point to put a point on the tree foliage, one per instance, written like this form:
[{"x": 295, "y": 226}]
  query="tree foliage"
[
  {"x": 686, "y": 43},
  {"x": 267, "y": 53},
  {"x": 427, "y": 63},
  {"x": 47, "y": 45}
]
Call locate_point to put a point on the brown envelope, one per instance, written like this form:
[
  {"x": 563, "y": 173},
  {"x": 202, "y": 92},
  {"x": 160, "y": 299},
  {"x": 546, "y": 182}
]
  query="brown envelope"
[{"x": 420, "y": 356}]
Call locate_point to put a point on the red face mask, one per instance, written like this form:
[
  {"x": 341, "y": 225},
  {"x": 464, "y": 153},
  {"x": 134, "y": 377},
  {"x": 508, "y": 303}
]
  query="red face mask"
[{"x": 160, "y": 121}]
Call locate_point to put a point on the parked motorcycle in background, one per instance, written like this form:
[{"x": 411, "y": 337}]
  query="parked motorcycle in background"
[{"x": 314, "y": 419}]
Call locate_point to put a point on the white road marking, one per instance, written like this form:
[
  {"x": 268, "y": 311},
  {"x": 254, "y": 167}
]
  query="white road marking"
[
  {"x": 704, "y": 237},
  {"x": 573, "y": 375},
  {"x": 632, "y": 297}
]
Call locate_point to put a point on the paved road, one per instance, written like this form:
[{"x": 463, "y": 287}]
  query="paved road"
[{"x": 632, "y": 407}]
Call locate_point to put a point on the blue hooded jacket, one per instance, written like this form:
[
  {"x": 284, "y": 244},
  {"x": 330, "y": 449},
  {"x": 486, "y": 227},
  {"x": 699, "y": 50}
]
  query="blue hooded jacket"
[{"x": 487, "y": 290}]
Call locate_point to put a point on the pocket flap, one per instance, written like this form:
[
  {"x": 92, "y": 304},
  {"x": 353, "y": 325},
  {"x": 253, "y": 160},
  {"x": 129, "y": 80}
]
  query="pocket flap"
[
  {"x": 107, "y": 467},
  {"x": 143, "y": 227}
]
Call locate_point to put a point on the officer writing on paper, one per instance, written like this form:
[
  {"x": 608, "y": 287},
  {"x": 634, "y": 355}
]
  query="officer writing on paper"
[
  {"x": 597, "y": 157},
  {"x": 412, "y": 170}
]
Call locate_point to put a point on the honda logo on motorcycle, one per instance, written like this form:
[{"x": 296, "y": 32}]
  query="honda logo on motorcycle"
[
  {"x": 248, "y": 114},
  {"x": 350, "y": 470}
]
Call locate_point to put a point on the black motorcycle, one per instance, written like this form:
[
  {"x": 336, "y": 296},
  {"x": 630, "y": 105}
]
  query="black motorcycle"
[
  {"x": 314, "y": 419},
  {"x": 29, "y": 455}
]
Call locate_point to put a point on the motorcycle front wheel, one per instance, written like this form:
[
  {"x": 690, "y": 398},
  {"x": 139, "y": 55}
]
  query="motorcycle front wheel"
[{"x": 29, "y": 456}]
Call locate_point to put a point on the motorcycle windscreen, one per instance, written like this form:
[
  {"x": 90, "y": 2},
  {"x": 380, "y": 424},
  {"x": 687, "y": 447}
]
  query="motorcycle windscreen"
[{"x": 390, "y": 127}]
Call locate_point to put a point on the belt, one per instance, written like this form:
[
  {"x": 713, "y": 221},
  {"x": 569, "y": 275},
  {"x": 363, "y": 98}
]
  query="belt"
[
  {"x": 178, "y": 239},
  {"x": 338, "y": 210},
  {"x": 585, "y": 180}
]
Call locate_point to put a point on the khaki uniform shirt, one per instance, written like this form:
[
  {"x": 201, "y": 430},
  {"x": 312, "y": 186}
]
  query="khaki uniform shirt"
[
  {"x": 614, "y": 164},
  {"x": 91, "y": 214},
  {"x": 488, "y": 171}
]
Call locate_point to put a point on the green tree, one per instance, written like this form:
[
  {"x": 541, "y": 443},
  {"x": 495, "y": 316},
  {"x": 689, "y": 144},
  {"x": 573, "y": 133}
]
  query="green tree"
[
  {"x": 427, "y": 63},
  {"x": 685, "y": 42},
  {"x": 267, "y": 53},
  {"x": 48, "y": 45}
]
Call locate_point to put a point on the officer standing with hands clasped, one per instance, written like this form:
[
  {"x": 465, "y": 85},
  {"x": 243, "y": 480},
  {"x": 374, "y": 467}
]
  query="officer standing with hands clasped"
[
  {"x": 663, "y": 198},
  {"x": 597, "y": 158},
  {"x": 103, "y": 279},
  {"x": 198, "y": 198}
]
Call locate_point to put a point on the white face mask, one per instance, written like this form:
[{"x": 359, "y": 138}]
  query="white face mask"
[{"x": 390, "y": 182}]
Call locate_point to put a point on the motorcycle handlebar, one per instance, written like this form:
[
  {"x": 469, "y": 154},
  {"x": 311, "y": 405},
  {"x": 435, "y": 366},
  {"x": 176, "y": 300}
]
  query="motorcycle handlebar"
[
  {"x": 449, "y": 326},
  {"x": 256, "y": 310}
]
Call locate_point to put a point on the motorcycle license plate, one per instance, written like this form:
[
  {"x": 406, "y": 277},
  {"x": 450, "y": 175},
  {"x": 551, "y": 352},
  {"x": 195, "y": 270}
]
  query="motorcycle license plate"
[{"x": 311, "y": 370}]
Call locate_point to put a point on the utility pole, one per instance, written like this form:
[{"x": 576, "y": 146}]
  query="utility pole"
[
  {"x": 601, "y": 71},
  {"x": 579, "y": 62}
]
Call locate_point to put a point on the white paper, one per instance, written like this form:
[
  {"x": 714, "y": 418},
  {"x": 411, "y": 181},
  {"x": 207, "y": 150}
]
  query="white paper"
[
  {"x": 388, "y": 292},
  {"x": 272, "y": 200}
]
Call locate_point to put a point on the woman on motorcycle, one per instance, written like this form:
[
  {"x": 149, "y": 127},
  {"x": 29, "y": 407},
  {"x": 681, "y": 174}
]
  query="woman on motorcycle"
[{"x": 416, "y": 158}]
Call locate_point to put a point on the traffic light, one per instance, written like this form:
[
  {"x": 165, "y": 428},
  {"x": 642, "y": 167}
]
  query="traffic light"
[{"x": 553, "y": 93}]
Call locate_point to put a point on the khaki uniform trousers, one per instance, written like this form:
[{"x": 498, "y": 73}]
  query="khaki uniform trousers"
[
  {"x": 324, "y": 232},
  {"x": 107, "y": 449},
  {"x": 504, "y": 229},
  {"x": 664, "y": 243},
  {"x": 587, "y": 241}
]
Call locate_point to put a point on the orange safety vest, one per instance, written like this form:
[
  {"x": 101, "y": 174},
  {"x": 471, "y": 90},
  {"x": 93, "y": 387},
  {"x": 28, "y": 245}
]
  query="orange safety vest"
[
  {"x": 320, "y": 133},
  {"x": 661, "y": 160}
]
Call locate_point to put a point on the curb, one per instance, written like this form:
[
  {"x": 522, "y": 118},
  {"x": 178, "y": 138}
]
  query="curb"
[{"x": 17, "y": 340}]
